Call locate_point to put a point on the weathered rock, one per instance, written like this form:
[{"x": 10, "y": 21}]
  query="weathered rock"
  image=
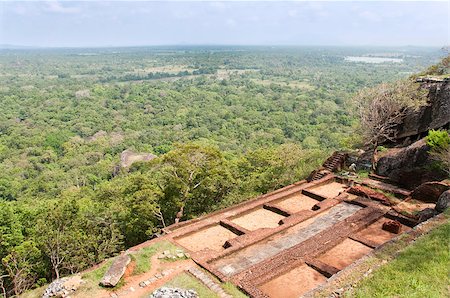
[
  {"x": 128, "y": 157},
  {"x": 364, "y": 161},
  {"x": 433, "y": 115},
  {"x": 165, "y": 292},
  {"x": 367, "y": 192},
  {"x": 63, "y": 287},
  {"x": 426, "y": 214},
  {"x": 443, "y": 202},
  {"x": 392, "y": 226},
  {"x": 429, "y": 191},
  {"x": 408, "y": 166},
  {"x": 116, "y": 271}
]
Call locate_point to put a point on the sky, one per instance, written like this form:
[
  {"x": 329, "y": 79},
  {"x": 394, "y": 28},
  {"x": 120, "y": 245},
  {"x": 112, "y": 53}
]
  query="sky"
[{"x": 146, "y": 23}]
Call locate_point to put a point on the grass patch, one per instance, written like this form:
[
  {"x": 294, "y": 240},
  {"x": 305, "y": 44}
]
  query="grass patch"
[
  {"x": 233, "y": 290},
  {"x": 227, "y": 287},
  {"x": 97, "y": 274},
  {"x": 35, "y": 293},
  {"x": 186, "y": 281},
  {"x": 421, "y": 270},
  {"x": 143, "y": 256}
]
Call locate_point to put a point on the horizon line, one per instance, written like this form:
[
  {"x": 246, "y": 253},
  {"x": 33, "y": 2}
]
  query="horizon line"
[{"x": 22, "y": 46}]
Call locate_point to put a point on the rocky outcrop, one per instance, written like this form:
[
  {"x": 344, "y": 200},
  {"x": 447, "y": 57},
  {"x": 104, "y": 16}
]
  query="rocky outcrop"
[
  {"x": 443, "y": 202},
  {"x": 426, "y": 214},
  {"x": 116, "y": 271},
  {"x": 165, "y": 292},
  {"x": 63, "y": 287},
  {"x": 435, "y": 114},
  {"x": 429, "y": 191},
  {"x": 128, "y": 157},
  {"x": 408, "y": 166}
]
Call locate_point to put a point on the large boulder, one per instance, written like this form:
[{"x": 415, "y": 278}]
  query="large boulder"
[
  {"x": 63, "y": 287},
  {"x": 165, "y": 292},
  {"x": 430, "y": 191},
  {"x": 426, "y": 214},
  {"x": 443, "y": 202},
  {"x": 408, "y": 166},
  {"x": 434, "y": 115},
  {"x": 116, "y": 271}
]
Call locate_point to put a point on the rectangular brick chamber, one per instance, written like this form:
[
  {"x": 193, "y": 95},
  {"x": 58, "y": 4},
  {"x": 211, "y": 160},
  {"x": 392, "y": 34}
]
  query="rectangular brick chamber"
[
  {"x": 294, "y": 283},
  {"x": 212, "y": 237},
  {"x": 296, "y": 202},
  {"x": 258, "y": 252},
  {"x": 328, "y": 190},
  {"x": 344, "y": 254},
  {"x": 258, "y": 219}
]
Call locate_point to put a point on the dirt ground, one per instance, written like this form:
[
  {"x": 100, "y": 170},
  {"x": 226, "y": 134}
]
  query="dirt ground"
[
  {"x": 212, "y": 238},
  {"x": 157, "y": 266},
  {"x": 294, "y": 283},
  {"x": 296, "y": 203},
  {"x": 257, "y": 219},
  {"x": 344, "y": 253},
  {"x": 413, "y": 206},
  {"x": 375, "y": 233},
  {"x": 329, "y": 190}
]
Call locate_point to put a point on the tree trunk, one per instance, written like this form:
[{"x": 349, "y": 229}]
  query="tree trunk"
[
  {"x": 57, "y": 272},
  {"x": 179, "y": 214}
]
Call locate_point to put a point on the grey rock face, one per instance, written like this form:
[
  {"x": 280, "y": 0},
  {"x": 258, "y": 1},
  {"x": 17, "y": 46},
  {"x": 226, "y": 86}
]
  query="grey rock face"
[
  {"x": 426, "y": 214},
  {"x": 165, "y": 292},
  {"x": 443, "y": 202},
  {"x": 408, "y": 166},
  {"x": 55, "y": 288},
  {"x": 434, "y": 115},
  {"x": 63, "y": 287},
  {"x": 116, "y": 271},
  {"x": 128, "y": 157}
]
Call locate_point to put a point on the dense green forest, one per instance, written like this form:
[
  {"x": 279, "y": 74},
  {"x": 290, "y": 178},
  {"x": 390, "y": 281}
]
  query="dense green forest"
[{"x": 226, "y": 124}]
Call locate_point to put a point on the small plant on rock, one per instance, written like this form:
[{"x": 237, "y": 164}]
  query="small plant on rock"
[{"x": 439, "y": 142}]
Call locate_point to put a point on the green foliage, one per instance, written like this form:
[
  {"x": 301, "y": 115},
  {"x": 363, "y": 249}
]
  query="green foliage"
[
  {"x": 193, "y": 177},
  {"x": 381, "y": 149},
  {"x": 233, "y": 290},
  {"x": 439, "y": 142},
  {"x": 419, "y": 271},
  {"x": 438, "y": 139},
  {"x": 56, "y": 140},
  {"x": 22, "y": 265}
]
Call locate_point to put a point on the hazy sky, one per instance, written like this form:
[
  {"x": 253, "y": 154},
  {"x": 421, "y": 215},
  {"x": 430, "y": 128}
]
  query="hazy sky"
[{"x": 127, "y": 23}]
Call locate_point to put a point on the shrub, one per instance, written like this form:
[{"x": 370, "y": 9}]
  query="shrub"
[
  {"x": 438, "y": 139},
  {"x": 382, "y": 108}
]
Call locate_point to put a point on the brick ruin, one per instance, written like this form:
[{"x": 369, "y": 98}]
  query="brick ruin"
[{"x": 290, "y": 241}]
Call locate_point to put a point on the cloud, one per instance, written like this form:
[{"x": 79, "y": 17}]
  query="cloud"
[{"x": 56, "y": 7}]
